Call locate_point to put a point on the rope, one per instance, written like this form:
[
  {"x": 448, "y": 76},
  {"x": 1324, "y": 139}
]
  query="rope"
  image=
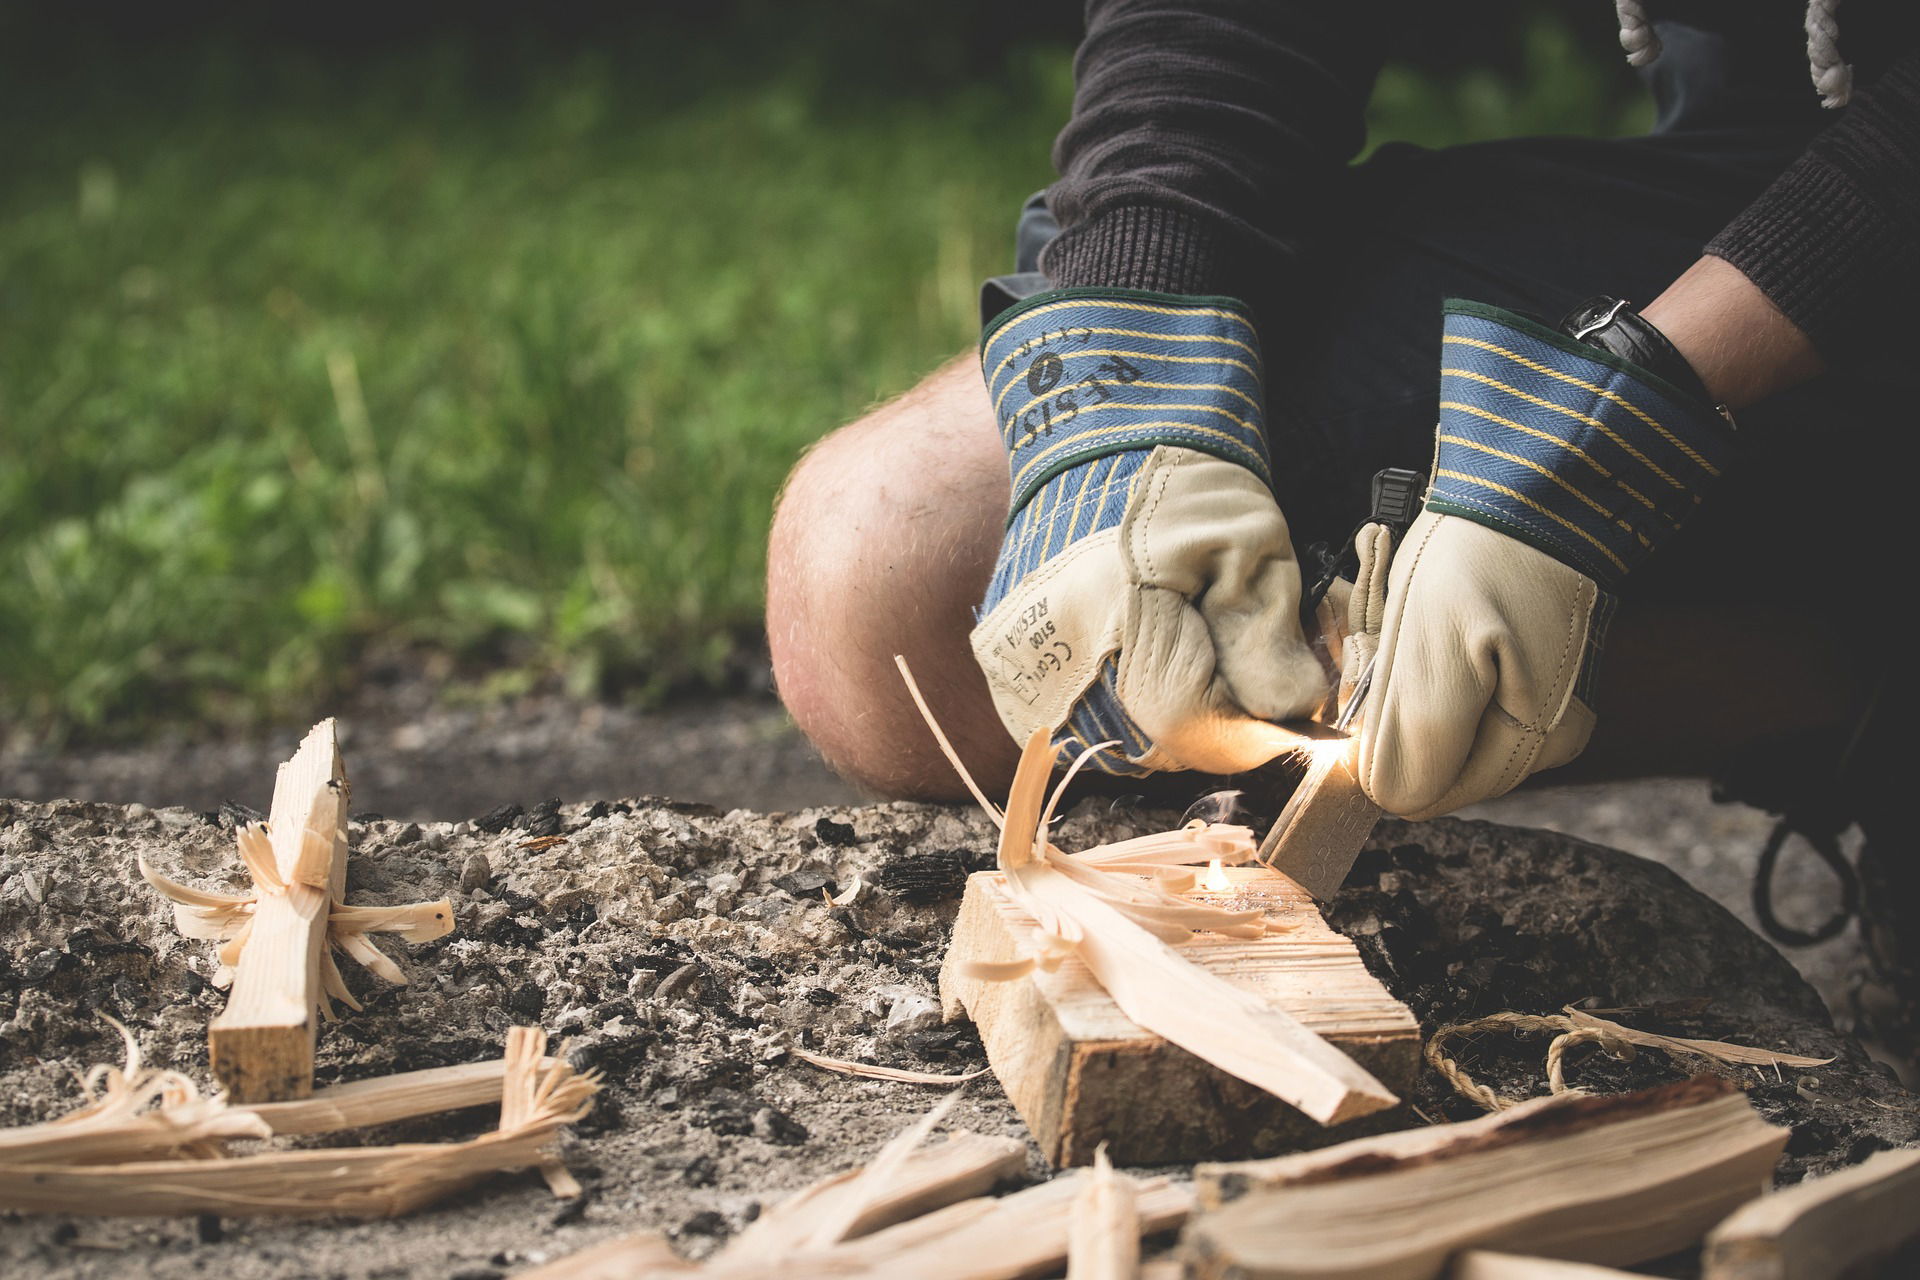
[
  {"x": 1521, "y": 1024},
  {"x": 1636, "y": 32},
  {"x": 1831, "y": 76}
]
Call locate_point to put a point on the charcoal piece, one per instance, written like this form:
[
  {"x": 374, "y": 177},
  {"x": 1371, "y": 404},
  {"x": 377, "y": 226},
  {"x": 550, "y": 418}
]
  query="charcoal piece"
[
  {"x": 529, "y": 1000},
  {"x": 922, "y": 876},
  {"x": 508, "y": 931},
  {"x": 701, "y": 1171},
  {"x": 42, "y": 965},
  {"x": 235, "y": 814},
  {"x": 572, "y": 1210},
  {"x": 498, "y": 819},
  {"x": 544, "y": 819},
  {"x": 827, "y": 831},
  {"x": 770, "y": 1124},
  {"x": 705, "y": 1223},
  {"x": 821, "y": 996},
  {"x": 806, "y": 882}
]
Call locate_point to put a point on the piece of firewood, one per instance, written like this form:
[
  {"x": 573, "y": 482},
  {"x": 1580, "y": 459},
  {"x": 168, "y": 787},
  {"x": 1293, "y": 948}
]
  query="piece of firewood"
[
  {"x": 631, "y": 1257},
  {"x": 1020, "y": 1235},
  {"x": 1485, "y": 1264},
  {"x": 1610, "y": 1180},
  {"x": 904, "y": 1180},
  {"x": 1103, "y": 1238},
  {"x": 1081, "y": 1072},
  {"x": 261, "y": 1045},
  {"x": 1825, "y": 1227},
  {"x": 1124, "y": 926},
  {"x": 1326, "y": 821},
  {"x": 964, "y": 1166},
  {"x": 538, "y": 1095}
]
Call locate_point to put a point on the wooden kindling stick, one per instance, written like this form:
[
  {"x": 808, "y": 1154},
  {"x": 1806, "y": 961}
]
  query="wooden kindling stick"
[{"x": 277, "y": 942}]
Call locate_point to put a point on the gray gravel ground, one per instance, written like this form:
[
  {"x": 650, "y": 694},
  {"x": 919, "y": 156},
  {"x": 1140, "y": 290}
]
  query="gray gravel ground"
[
  {"x": 684, "y": 951},
  {"x": 413, "y": 758}
]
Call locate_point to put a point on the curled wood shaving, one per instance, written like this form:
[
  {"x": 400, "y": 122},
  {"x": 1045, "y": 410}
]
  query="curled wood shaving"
[
  {"x": 846, "y": 896},
  {"x": 996, "y": 970},
  {"x": 131, "y": 1111},
  {"x": 227, "y": 918},
  {"x": 1196, "y": 842},
  {"x": 872, "y": 1071},
  {"x": 538, "y": 1096}
]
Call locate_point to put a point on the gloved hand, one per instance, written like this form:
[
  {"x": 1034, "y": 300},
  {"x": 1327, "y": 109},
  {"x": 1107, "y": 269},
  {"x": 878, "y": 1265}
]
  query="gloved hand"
[
  {"x": 1146, "y": 591},
  {"x": 1559, "y": 466}
]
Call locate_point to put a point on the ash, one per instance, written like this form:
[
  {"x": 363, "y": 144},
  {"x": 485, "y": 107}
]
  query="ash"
[{"x": 684, "y": 952}]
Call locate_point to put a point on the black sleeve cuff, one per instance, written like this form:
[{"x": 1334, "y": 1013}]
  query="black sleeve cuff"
[
  {"x": 1805, "y": 244},
  {"x": 1144, "y": 247},
  {"x": 1835, "y": 241}
]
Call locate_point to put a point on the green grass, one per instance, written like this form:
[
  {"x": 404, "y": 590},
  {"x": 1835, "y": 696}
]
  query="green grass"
[
  {"x": 502, "y": 366},
  {"x": 433, "y": 369}
]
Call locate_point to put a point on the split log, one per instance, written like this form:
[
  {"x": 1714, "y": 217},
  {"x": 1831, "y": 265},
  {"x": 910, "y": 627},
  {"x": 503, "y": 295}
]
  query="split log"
[
  {"x": 1608, "y": 1180},
  {"x": 261, "y": 1045},
  {"x": 1485, "y": 1264},
  {"x": 1081, "y": 1072},
  {"x": 965, "y": 1165},
  {"x": 1020, "y": 1235},
  {"x": 1121, "y": 924},
  {"x": 639, "y": 1256},
  {"x": 1824, "y": 1228},
  {"x": 1326, "y": 821}
]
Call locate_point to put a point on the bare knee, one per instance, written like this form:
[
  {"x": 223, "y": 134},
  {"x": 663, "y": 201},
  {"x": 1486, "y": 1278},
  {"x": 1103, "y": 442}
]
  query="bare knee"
[{"x": 882, "y": 543}]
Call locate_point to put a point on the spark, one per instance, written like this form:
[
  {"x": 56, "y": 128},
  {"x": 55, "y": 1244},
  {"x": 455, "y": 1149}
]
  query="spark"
[{"x": 1216, "y": 880}]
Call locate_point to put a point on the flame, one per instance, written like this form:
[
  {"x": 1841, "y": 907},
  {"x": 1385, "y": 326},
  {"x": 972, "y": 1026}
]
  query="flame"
[{"x": 1216, "y": 880}]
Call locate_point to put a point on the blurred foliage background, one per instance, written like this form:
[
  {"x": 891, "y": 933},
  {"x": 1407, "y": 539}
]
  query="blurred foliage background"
[{"x": 383, "y": 333}]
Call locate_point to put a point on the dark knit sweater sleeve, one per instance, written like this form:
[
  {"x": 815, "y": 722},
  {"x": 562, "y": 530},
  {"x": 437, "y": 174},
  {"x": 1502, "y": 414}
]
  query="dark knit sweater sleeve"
[
  {"x": 1205, "y": 138},
  {"x": 1835, "y": 241}
]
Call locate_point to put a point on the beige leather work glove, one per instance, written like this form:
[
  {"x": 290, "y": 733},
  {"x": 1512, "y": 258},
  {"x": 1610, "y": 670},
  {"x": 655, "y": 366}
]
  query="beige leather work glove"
[
  {"x": 1559, "y": 466},
  {"x": 1147, "y": 592},
  {"x": 1474, "y": 685}
]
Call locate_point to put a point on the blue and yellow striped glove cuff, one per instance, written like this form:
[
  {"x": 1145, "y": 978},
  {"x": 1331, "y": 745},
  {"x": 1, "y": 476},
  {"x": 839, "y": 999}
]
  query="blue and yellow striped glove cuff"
[
  {"x": 1566, "y": 447},
  {"x": 1081, "y": 374}
]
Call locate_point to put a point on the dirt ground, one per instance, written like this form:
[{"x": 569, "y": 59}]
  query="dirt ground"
[
  {"x": 684, "y": 952},
  {"x": 415, "y": 759}
]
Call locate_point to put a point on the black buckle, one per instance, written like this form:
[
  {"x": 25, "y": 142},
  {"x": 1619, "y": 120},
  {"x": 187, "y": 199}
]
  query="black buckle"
[{"x": 1396, "y": 495}]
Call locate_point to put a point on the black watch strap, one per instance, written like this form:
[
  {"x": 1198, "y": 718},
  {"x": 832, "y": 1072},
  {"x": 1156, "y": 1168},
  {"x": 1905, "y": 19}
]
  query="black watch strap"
[{"x": 1614, "y": 326}]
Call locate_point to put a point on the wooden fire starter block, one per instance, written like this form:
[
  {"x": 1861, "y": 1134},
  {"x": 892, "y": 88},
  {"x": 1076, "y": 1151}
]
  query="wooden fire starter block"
[{"x": 1081, "y": 1072}]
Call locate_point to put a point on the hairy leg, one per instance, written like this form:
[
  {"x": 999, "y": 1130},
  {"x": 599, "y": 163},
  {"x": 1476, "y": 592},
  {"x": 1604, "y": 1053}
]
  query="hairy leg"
[{"x": 882, "y": 543}]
